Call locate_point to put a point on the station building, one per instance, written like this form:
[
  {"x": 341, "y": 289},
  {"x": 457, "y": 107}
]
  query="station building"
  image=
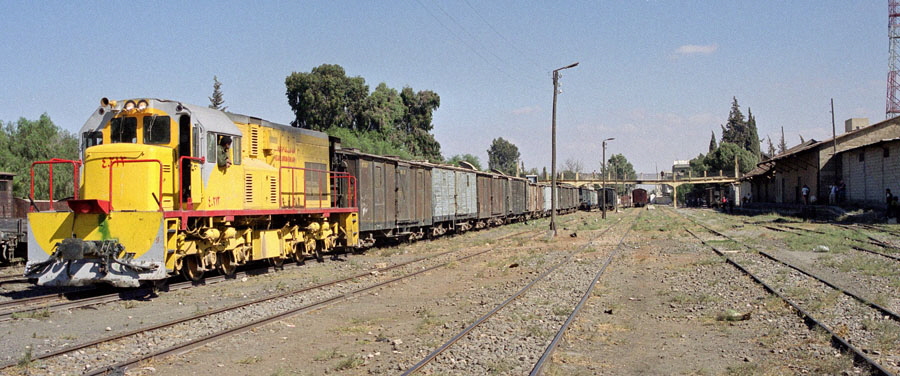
[{"x": 863, "y": 162}]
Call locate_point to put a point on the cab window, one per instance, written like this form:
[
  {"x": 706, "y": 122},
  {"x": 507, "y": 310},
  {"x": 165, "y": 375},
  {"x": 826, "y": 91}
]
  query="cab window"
[
  {"x": 123, "y": 130},
  {"x": 211, "y": 145},
  {"x": 236, "y": 150},
  {"x": 92, "y": 138},
  {"x": 157, "y": 129}
]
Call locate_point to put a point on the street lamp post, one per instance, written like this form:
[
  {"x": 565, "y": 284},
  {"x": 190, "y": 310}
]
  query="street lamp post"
[
  {"x": 604, "y": 175},
  {"x": 553, "y": 162}
]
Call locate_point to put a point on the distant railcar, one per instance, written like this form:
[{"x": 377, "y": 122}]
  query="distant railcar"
[
  {"x": 639, "y": 197},
  {"x": 611, "y": 198}
]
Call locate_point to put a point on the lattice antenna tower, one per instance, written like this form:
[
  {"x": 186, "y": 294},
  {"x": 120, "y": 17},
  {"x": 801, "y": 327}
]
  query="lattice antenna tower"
[{"x": 893, "y": 82}]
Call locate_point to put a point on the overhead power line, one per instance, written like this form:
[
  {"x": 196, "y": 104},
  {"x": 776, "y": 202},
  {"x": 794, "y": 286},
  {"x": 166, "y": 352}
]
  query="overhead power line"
[{"x": 474, "y": 50}]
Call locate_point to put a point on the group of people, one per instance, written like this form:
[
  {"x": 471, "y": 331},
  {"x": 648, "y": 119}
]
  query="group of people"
[{"x": 836, "y": 193}]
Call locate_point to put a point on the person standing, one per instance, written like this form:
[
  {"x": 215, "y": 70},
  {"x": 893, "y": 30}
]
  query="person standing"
[
  {"x": 804, "y": 192},
  {"x": 889, "y": 200}
]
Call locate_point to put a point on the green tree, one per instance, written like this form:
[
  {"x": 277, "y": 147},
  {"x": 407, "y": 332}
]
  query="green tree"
[
  {"x": 326, "y": 98},
  {"x": 723, "y": 159},
  {"x": 216, "y": 101},
  {"x": 698, "y": 165},
  {"x": 712, "y": 143},
  {"x": 28, "y": 141},
  {"x": 471, "y": 159},
  {"x": 734, "y": 131},
  {"x": 503, "y": 156},
  {"x": 620, "y": 168},
  {"x": 382, "y": 109},
  {"x": 751, "y": 141},
  {"x": 374, "y": 142},
  {"x": 771, "y": 148},
  {"x": 416, "y": 124}
]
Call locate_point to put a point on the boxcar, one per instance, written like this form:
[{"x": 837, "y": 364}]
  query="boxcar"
[
  {"x": 639, "y": 197},
  {"x": 454, "y": 199},
  {"x": 535, "y": 200},
  {"x": 611, "y": 198},
  {"x": 518, "y": 201},
  {"x": 395, "y": 197}
]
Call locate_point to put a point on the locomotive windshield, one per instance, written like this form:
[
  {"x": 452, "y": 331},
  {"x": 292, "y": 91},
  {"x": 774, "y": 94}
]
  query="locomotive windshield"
[
  {"x": 123, "y": 130},
  {"x": 157, "y": 129}
]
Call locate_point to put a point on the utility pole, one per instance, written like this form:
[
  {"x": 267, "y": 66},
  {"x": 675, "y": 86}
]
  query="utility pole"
[
  {"x": 833, "y": 132},
  {"x": 553, "y": 159},
  {"x": 604, "y": 175}
]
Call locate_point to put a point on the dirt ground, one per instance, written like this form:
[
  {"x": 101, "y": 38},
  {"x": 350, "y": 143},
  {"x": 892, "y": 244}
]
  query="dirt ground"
[{"x": 666, "y": 305}]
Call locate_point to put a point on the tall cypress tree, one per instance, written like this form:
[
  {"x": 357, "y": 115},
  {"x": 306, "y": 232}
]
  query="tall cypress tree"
[
  {"x": 752, "y": 142},
  {"x": 734, "y": 130},
  {"x": 712, "y": 142}
]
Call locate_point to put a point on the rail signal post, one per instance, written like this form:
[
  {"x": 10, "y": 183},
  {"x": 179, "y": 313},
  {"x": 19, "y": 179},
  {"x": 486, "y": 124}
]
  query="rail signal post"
[{"x": 553, "y": 161}]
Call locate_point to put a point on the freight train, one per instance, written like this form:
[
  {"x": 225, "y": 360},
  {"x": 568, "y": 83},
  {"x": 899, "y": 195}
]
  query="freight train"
[{"x": 165, "y": 187}]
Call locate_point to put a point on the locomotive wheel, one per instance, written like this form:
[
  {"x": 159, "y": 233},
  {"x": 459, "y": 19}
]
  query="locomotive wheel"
[
  {"x": 226, "y": 265},
  {"x": 277, "y": 263},
  {"x": 319, "y": 247},
  {"x": 190, "y": 269},
  {"x": 298, "y": 257}
]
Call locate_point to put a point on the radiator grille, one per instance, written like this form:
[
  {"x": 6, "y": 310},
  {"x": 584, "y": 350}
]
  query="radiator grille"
[
  {"x": 273, "y": 190},
  {"x": 254, "y": 141},
  {"x": 248, "y": 188}
]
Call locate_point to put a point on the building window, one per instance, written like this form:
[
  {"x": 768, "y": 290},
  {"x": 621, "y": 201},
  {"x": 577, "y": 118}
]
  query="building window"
[
  {"x": 887, "y": 152},
  {"x": 862, "y": 156}
]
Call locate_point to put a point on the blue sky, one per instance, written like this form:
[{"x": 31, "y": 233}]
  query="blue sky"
[{"x": 656, "y": 75}]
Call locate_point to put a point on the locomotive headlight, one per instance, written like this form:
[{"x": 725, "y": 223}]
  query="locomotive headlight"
[
  {"x": 129, "y": 105},
  {"x": 142, "y": 105}
]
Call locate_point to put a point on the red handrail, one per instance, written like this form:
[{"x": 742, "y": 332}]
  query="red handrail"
[
  {"x": 180, "y": 176},
  {"x": 333, "y": 176},
  {"x": 51, "y": 162},
  {"x": 123, "y": 161}
]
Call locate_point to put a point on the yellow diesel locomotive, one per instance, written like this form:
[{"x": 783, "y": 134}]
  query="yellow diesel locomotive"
[{"x": 165, "y": 187}]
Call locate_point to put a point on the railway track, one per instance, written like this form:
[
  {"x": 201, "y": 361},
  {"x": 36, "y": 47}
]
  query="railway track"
[
  {"x": 858, "y": 336},
  {"x": 13, "y": 279},
  {"x": 872, "y": 241},
  {"x": 555, "y": 281},
  {"x": 286, "y": 303},
  {"x": 44, "y": 304}
]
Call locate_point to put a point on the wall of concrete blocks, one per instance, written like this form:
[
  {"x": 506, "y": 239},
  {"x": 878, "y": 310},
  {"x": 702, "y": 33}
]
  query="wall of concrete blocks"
[{"x": 869, "y": 170}]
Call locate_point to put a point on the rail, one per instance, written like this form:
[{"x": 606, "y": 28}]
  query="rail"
[
  {"x": 181, "y": 177},
  {"x": 51, "y": 162},
  {"x": 334, "y": 177},
  {"x": 124, "y": 161}
]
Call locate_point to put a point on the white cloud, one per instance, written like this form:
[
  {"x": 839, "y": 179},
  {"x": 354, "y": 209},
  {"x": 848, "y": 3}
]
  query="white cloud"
[{"x": 693, "y": 49}]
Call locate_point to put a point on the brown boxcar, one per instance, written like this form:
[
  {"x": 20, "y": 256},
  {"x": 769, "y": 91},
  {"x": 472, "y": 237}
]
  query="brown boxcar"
[
  {"x": 639, "y": 197},
  {"x": 518, "y": 203},
  {"x": 394, "y": 195}
]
